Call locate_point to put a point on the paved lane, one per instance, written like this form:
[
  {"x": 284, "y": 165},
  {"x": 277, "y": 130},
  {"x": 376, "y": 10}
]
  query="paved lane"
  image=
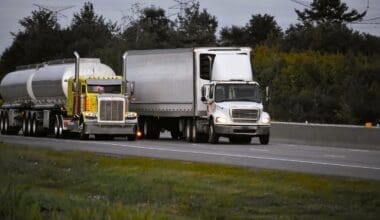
[{"x": 301, "y": 158}]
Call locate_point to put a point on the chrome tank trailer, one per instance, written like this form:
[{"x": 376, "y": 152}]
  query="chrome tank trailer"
[{"x": 47, "y": 84}]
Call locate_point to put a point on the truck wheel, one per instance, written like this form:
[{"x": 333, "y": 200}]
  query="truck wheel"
[
  {"x": 264, "y": 139},
  {"x": 57, "y": 127},
  {"x": 212, "y": 136},
  {"x": 188, "y": 131}
]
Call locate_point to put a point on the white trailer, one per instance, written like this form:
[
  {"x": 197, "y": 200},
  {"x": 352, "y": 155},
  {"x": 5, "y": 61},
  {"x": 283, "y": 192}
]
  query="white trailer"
[{"x": 197, "y": 94}]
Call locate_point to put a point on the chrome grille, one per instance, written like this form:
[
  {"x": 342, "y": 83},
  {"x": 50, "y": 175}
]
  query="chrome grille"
[
  {"x": 245, "y": 115},
  {"x": 111, "y": 110}
]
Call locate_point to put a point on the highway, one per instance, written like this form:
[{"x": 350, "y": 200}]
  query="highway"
[{"x": 337, "y": 161}]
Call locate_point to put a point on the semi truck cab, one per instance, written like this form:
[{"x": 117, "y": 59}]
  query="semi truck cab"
[{"x": 235, "y": 110}]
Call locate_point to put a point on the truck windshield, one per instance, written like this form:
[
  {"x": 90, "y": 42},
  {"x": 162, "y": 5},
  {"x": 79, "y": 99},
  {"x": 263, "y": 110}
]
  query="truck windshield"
[
  {"x": 237, "y": 92},
  {"x": 115, "y": 89}
]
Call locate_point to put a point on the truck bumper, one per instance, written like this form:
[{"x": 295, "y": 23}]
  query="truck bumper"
[
  {"x": 247, "y": 130},
  {"x": 117, "y": 130}
]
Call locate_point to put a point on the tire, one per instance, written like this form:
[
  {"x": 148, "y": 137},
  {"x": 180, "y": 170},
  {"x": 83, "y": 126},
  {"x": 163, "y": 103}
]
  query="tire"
[
  {"x": 188, "y": 129},
  {"x": 29, "y": 127},
  {"x": 58, "y": 127},
  {"x": 264, "y": 139},
  {"x": 82, "y": 135},
  {"x": 1, "y": 122},
  {"x": 25, "y": 126},
  {"x": 33, "y": 129},
  {"x": 6, "y": 124},
  {"x": 212, "y": 136}
]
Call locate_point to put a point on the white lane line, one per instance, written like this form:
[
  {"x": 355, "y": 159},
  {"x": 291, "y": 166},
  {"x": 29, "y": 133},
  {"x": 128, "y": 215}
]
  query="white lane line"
[
  {"x": 261, "y": 150},
  {"x": 226, "y": 155},
  {"x": 242, "y": 156},
  {"x": 359, "y": 150},
  {"x": 334, "y": 156}
]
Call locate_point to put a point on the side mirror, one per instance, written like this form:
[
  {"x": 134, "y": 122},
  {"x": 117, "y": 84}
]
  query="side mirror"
[
  {"x": 132, "y": 88},
  {"x": 203, "y": 91},
  {"x": 267, "y": 94}
]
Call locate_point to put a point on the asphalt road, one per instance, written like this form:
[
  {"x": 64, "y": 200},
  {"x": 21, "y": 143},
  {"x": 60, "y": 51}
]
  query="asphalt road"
[{"x": 358, "y": 163}]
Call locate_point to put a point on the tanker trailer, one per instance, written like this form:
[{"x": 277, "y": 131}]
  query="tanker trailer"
[{"x": 67, "y": 98}]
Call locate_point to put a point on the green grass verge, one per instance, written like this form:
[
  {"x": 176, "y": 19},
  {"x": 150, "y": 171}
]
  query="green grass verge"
[{"x": 46, "y": 184}]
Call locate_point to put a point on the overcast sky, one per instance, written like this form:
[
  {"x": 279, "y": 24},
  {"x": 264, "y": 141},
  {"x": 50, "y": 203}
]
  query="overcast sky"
[{"x": 228, "y": 12}]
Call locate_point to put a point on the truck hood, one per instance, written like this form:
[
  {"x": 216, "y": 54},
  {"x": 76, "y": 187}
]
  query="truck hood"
[{"x": 239, "y": 105}]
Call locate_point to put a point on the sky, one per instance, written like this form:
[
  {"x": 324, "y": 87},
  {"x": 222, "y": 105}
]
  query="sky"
[{"x": 228, "y": 12}]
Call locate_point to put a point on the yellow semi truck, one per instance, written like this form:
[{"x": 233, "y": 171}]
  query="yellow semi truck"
[{"x": 80, "y": 97}]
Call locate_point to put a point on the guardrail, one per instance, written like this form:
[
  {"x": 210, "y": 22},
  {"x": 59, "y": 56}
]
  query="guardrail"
[{"x": 351, "y": 136}]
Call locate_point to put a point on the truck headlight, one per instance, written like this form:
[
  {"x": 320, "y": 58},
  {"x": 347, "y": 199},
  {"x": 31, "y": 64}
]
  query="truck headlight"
[
  {"x": 90, "y": 115},
  {"x": 131, "y": 115},
  {"x": 265, "y": 118},
  {"x": 220, "y": 120}
]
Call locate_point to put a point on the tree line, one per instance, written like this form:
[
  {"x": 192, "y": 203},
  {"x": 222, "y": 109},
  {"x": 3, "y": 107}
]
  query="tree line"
[{"x": 319, "y": 70}]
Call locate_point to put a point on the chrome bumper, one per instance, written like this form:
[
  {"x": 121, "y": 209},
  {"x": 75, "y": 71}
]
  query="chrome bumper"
[
  {"x": 248, "y": 130},
  {"x": 111, "y": 129}
]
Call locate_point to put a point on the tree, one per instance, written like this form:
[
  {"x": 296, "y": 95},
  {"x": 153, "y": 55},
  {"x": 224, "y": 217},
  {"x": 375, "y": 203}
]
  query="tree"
[
  {"x": 263, "y": 27},
  {"x": 197, "y": 28},
  {"x": 151, "y": 30},
  {"x": 259, "y": 29},
  {"x": 234, "y": 36},
  {"x": 329, "y": 11},
  {"x": 40, "y": 40},
  {"x": 89, "y": 32}
]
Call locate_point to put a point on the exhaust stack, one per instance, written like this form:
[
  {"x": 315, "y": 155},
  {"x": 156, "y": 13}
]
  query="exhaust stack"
[{"x": 76, "y": 85}]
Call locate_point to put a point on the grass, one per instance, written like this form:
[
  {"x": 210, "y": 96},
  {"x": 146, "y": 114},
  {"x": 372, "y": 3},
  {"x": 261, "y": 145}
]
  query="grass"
[{"x": 45, "y": 184}]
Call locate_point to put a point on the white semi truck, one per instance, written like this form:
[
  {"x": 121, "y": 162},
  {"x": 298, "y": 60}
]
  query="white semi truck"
[
  {"x": 78, "y": 97},
  {"x": 198, "y": 94}
]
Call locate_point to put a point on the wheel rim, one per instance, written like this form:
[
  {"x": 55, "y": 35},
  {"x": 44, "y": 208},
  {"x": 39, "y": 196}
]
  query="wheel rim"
[
  {"x": 56, "y": 127},
  {"x": 194, "y": 132},
  {"x": 1, "y": 122},
  {"x": 24, "y": 126},
  {"x": 60, "y": 130},
  {"x": 145, "y": 128},
  {"x": 34, "y": 126},
  {"x": 188, "y": 130},
  {"x": 5, "y": 124}
]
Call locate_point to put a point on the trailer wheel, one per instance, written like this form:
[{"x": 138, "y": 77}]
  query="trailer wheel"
[
  {"x": 188, "y": 130},
  {"x": 212, "y": 136},
  {"x": 25, "y": 126},
  {"x": 194, "y": 132},
  {"x": 6, "y": 124},
  {"x": 29, "y": 127},
  {"x": 33, "y": 129},
  {"x": 1, "y": 122}
]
